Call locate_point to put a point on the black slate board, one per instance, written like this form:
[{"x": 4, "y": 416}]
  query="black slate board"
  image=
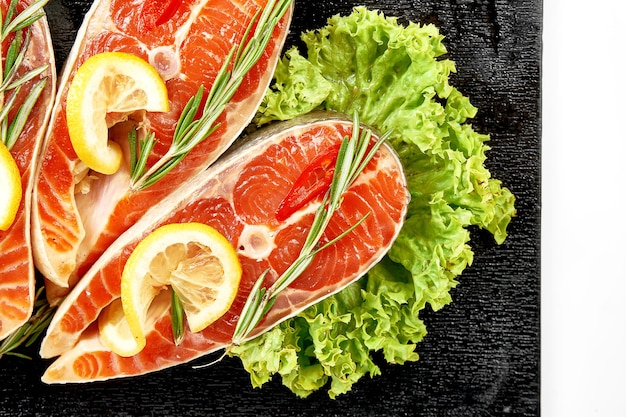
[{"x": 481, "y": 356}]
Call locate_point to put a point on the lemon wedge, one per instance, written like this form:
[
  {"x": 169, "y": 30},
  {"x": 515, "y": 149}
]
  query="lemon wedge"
[
  {"x": 109, "y": 83},
  {"x": 114, "y": 328},
  {"x": 195, "y": 260},
  {"x": 115, "y": 331},
  {"x": 10, "y": 188}
]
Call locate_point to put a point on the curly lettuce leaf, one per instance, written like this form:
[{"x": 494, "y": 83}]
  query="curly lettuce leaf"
[
  {"x": 396, "y": 78},
  {"x": 297, "y": 96}
]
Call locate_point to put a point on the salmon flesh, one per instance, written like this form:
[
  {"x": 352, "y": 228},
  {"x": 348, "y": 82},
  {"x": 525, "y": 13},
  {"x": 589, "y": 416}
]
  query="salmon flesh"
[
  {"x": 17, "y": 272},
  {"x": 78, "y": 213},
  {"x": 239, "y": 196}
]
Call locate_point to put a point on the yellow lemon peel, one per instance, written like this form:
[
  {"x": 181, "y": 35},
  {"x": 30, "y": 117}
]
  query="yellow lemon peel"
[
  {"x": 195, "y": 260},
  {"x": 10, "y": 188},
  {"x": 109, "y": 83}
]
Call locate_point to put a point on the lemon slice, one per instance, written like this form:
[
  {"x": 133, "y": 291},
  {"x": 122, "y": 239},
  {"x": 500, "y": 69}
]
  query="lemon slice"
[
  {"x": 194, "y": 259},
  {"x": 10, "y": 188},
  {"x": 115, "y": 330},
  {"x": 108, "y": 83}
]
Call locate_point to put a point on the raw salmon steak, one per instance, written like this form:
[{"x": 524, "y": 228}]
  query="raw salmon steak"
[
  {"x": 17, "y": 274},
  {"x": 79, "y": 213},
  {"x": 239, "y": 197}
]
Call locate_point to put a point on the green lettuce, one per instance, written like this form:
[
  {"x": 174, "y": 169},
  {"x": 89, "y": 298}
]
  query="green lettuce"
[{"x": 396, "y": 78}]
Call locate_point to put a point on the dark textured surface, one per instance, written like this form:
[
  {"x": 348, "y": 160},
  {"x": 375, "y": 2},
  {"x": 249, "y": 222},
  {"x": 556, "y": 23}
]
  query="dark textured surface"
[{"x": 481, "y": 356}]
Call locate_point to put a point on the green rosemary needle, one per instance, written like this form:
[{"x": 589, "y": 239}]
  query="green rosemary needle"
[
  {"x": 178, "y": 317},
  {"x": 191, "y": 130},
  {"x": 29, "y": 332},
  {"x": 352, "y": 158},
  {"x": 10, "y": 83}
]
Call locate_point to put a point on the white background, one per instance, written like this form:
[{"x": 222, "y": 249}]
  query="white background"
[{"x": 583, "y": 208}]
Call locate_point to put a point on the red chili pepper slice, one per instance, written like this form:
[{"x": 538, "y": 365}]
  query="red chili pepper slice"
[
  {"x": 314, "y": 181},
  {"x": 169, "y": 11},
  {"x": 158, "y": 12}
]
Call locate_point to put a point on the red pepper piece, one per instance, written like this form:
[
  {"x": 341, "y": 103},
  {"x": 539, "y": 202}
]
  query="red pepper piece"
[
  {"x": 314, "y": 181},
  {"x": 169, "y": 11},
  {"x": 158, "y": 12}
]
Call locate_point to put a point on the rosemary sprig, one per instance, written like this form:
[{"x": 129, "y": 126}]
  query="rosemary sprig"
[
  {"x": 178, "y": 316},
  {"x": 10, "y": 83},
  {"x": 190, "y": 129},
  {"x": 27, "y": 17},
  {"x": 29, "y": 332},
  {"x": 352, "y": 159}
]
